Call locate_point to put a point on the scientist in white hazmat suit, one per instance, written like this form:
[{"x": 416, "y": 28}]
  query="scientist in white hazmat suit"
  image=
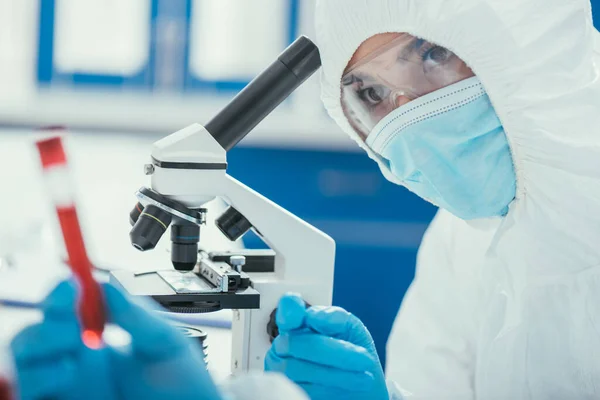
[{"x": 489, "y": 109}]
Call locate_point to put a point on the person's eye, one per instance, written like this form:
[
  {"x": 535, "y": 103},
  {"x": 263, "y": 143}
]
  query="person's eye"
[
  {"x": 436, "y": 55},
  {"x": 372, "y": 95}
]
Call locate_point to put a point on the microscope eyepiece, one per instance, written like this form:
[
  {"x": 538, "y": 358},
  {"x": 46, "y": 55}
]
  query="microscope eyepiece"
[
  {"x": 260, "y": 97},
  {"x": 302, "y": 58},
  {"x": 149, "y": 228}
]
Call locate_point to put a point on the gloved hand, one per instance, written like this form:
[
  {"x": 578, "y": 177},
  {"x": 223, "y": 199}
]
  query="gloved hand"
[
  {"x": 326, "y": 351},
  {"x": 52, "y": 362}
]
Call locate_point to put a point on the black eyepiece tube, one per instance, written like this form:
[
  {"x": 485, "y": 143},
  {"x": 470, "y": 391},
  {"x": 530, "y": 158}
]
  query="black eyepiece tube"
[{"x": 257, "y": 100}]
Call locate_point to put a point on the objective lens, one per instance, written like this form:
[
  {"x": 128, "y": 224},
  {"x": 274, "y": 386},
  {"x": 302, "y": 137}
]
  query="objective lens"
[
  {"x": 233, "y": 224},
  {"x": 149, "y": 228},
  {"x": 184, "y": 248},
  {"x": 135, "y": 213}
]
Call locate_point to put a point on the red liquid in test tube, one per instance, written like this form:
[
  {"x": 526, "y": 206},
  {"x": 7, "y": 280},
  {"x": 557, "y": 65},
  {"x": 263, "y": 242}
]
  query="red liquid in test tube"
[
  {"x": 5, "y": 390},
  {"x": 56, "y": 175}
]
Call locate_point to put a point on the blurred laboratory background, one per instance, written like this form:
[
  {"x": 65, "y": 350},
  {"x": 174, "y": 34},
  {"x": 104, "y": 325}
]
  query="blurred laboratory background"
[{"x": 120, "y": 74}]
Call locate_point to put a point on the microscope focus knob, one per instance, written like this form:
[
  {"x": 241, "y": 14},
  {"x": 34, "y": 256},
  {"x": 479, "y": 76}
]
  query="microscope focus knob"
[{"x": 272, "y": 328}]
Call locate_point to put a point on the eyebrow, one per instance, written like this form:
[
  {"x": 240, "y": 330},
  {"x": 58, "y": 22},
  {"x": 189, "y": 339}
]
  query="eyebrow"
[
  {"x": 416, "y": 44},
  {"x": 361, "y": 77}
]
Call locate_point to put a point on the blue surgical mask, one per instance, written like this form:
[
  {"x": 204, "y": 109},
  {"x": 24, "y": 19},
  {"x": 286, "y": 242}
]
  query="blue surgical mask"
[{"x": 449, "y": 147}]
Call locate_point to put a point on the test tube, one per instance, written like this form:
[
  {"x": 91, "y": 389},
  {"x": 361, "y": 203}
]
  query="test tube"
[
  {"x": 6, "y": 375},
  {"x": 57, "y": 178}
]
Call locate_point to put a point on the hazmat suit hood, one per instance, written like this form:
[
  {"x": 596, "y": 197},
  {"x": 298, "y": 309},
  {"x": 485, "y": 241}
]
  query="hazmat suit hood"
[{"x": 538, "y": 61}]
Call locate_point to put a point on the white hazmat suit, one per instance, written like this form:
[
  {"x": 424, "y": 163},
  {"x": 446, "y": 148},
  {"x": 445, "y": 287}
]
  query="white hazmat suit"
[{"x": 503, "y": 308}]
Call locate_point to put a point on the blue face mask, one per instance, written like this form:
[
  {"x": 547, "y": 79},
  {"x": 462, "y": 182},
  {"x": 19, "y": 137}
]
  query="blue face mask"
[{"x": 449, "y": 147}]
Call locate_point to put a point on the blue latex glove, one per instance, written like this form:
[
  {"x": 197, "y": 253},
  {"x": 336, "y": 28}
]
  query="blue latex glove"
[
  {"x": 326, "y": 351},
  {"x": 52, "y": 362}
]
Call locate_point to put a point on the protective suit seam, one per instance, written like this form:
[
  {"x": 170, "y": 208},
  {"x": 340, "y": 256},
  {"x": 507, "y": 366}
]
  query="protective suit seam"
[
  {"x": 429, "y": 102},
  {"x": 429, "y": 116}
]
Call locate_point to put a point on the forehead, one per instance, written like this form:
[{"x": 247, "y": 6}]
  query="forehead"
[{"x": 370, "y": 45}]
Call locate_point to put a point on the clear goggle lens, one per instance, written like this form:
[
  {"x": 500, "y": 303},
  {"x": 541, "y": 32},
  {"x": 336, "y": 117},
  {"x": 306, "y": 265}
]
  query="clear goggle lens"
[{"x": 393, "y": 75}]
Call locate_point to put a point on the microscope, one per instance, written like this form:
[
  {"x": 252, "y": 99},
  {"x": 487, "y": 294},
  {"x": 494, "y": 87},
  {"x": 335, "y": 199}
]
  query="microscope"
[{"x": 188, "y": 169}]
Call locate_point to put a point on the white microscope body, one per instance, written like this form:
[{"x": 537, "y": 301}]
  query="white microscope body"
[
  {"x": 304, "y": 256},
  {"x": 188, "y": 170}
]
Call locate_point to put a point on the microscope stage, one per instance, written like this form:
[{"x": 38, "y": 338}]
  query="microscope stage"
[{"x": 152, "y": 285}]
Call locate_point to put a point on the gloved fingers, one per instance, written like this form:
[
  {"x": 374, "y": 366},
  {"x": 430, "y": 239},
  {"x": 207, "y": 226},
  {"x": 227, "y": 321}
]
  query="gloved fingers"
[
  {"x": 53, "y": 379},
  {"x": 332, "y": 321},
  {"x": 323, "y": 350},
  {"x": 95, "y": 369},
  {"x": 62, "y": 300},
  {"x": 339, "y": 323},
  {"x": 290, "y": 312},
  {"x": 323, "y": 392},
  {"x": 150, "y": 335},
  {"x": 46, "y": 341},
  {"x": 302, "y": 372}
]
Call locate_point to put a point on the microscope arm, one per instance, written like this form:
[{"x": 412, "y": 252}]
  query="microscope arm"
[
  {"x": 302, "y": 252},
  {"x": 304, "y": 263}
]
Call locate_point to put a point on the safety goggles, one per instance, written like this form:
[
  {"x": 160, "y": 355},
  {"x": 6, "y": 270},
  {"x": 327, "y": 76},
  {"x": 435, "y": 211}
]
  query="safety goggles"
[{"x": 396, "y": 73}]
